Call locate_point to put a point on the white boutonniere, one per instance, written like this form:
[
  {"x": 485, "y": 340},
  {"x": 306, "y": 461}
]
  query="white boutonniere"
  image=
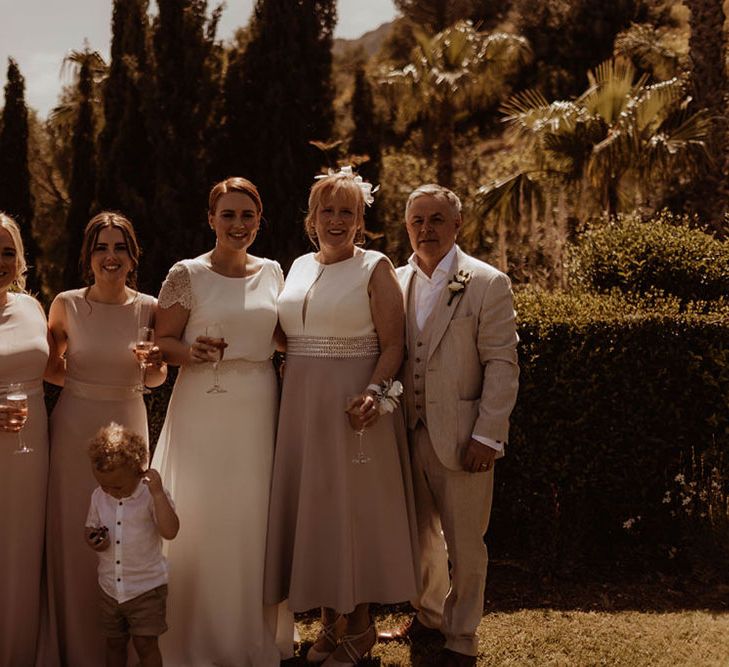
[
  {"x": 458, "y": 284},
  {"x": 387, "y": 395}
]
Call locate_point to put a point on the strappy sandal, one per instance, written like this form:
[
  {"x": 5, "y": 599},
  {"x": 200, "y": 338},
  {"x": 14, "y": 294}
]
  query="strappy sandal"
[
  {"x": 326, "y": 641},
  {"x": 352, "y": 648}
]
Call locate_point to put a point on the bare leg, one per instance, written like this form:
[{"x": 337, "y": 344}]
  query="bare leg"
[
  {"x": 116, "y": 651},
  {"x": 328, "y": 615},
  {"x": 148, "y": 651},
  {"x": 359, "y": 619}
]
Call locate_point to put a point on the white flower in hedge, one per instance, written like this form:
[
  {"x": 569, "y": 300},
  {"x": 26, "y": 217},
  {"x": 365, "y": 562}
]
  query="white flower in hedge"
[{"x": 631, "y": 522}]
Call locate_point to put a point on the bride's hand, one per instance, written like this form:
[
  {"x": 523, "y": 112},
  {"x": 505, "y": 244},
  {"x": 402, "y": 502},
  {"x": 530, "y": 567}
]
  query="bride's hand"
[{"x": 203, "y": 350}]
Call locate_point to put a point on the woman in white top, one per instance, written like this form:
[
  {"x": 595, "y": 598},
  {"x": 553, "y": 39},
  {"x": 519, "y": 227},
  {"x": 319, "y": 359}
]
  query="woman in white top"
[{"x": 215, "y": 450}]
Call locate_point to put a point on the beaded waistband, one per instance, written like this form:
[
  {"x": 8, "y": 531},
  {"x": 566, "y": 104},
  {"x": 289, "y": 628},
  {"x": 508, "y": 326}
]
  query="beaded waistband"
[
  {"x": 30, "y": 388},
  {"x": 334, "y": 347},
  {"x": 99, "y": 392}
]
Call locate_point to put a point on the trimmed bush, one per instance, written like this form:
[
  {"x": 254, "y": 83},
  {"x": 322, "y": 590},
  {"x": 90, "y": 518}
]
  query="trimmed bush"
[
  {"x": 614, "y": 401},
  {"x": 661, "y": 254}
]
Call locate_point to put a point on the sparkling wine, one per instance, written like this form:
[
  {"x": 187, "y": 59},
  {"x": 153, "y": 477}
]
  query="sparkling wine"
[
  {"x": 18, "y": 401},
  {"x": 219, "y": 345}
]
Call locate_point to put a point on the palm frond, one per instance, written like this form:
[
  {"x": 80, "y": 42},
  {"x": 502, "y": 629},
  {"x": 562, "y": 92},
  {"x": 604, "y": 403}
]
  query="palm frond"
[
  {"x": 506, "y": 197},
  {"x": 611, "y": 87}
]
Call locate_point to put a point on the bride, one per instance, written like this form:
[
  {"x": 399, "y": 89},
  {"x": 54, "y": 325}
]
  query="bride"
[{"x": 215, "y": 451}]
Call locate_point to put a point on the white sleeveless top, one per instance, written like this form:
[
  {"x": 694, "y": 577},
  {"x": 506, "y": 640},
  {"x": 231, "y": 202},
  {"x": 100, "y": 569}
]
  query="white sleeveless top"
[
  {"x": 244, "y": 307},
  {"x": 329, "y": 299}
]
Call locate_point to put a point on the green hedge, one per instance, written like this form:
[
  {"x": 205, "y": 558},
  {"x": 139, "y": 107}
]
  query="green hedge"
[
  {"x": 613, "y": 400},
  {"x": 661, "y": 254}
]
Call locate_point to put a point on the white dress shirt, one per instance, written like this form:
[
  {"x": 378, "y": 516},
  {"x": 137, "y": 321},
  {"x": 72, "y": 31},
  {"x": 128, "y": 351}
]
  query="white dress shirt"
[
  {"x": 133, "y": 563},
  {"x": 426, "y": 295}
]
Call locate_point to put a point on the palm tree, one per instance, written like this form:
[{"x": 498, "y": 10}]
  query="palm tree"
[
  {"x": 610, "y": 148},
  {"x": 73, "y": 63},
  {"x": 80, "y": 115},
  {"x": 452, "y": 74}
]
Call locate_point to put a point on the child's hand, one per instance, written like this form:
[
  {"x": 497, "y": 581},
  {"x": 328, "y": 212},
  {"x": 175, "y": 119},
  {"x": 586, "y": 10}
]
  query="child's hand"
[
  {"x": 152, "y": 479},
  {"x": 97, "y": 538}
]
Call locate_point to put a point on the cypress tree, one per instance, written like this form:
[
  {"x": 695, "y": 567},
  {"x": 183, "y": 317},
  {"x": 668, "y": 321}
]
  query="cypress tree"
[
  {"x": 126, "y": 157},
  {"x": 278, "y": 98},
  {"x": 15, "y": 196},
  {"x": 366, "y": 140},
  {"x": 185, "y": 85},
  {"x": 82, "y": 185},
  {"x": 707, "y": 48}
]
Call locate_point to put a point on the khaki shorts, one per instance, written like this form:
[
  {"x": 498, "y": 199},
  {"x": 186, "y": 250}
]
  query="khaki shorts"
[{"x": 142, "y": 616}]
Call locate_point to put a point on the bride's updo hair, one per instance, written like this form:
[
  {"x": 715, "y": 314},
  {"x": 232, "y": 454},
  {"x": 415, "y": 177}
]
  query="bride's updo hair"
[
  {"x": 328, "y": 187},
  {"x": 234, "y": 184}
]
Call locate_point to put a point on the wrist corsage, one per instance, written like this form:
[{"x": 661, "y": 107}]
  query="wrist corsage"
[
  {"x": 386, "y": 394},
  {"x": 458, "y": 284}
]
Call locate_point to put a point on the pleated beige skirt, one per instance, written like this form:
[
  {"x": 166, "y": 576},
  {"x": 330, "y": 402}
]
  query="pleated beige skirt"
[{"x": 339, "y": 533}]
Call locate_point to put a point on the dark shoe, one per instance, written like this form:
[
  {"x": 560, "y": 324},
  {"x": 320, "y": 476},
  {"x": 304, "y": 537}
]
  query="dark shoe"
[
  {"x": 448, "y": 658},
  {"x": 411, "y": 630}
]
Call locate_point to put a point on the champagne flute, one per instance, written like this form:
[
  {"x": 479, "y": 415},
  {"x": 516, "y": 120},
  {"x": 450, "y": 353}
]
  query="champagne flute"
[
  {"x": 17, "y": 400},
  {"x": 215, "y": 332},
  {"x": 142, "y": 347},
  {"x": 353, "y": 406}
]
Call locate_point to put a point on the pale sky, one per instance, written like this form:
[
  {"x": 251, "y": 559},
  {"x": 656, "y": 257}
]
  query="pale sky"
[{"x": 38, "y": 33}]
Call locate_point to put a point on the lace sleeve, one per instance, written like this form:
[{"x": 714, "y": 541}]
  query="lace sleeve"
[{"x": 176, "y": 288}]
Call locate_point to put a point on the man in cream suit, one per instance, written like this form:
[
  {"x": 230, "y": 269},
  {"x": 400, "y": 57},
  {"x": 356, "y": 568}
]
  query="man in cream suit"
[{"x": 461, "y": 380}]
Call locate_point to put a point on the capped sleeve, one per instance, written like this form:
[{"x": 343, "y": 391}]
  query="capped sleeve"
[
  {"x": 279, "y": 276},
  {"x": 177, "y": 288}
]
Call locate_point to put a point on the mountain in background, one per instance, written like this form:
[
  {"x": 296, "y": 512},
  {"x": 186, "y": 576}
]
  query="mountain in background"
[{"x": 370, "y": 42}]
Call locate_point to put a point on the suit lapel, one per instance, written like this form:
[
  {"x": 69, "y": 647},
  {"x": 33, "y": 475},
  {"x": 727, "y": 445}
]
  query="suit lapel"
[
  {"x": 443, "y": 313},
  {"x": 406, "y": 282}
]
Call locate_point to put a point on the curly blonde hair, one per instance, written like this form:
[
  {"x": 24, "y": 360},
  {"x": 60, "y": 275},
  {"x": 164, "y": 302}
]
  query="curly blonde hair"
[{"x": 115, "y": 446}]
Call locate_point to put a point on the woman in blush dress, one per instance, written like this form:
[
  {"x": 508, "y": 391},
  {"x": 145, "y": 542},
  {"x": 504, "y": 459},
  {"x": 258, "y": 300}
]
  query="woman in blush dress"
[
  {"x": 340, "y": 530},
  {"x": 94, "y": 331},
  {"x": 23, "y": 476},
  {"x": 215, "y": 451}
]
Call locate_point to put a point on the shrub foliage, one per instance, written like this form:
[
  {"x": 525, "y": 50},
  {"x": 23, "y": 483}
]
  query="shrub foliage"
[
  {"x": 663, "y": 254},
  {"x": 614, "y": 400}
]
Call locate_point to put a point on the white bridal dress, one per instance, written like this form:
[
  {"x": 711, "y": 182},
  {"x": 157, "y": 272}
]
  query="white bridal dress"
[{"x": 215, "y": 455}]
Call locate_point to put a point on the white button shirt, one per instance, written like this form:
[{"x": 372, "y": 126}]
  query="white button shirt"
[
  {"x": 427, "y": 292},
  {"x": 133, "y": 563}
]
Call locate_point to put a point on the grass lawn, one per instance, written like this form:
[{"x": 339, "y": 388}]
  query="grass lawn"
[{"x": 661, "y": 622}]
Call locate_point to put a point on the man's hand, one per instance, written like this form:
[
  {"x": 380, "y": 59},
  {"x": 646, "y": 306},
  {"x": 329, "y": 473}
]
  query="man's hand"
[{"x": 478, "y": 457}]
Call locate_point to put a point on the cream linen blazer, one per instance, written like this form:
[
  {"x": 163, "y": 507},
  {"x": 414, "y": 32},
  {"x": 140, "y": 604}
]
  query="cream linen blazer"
[{"x": 472, "y": 372}]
